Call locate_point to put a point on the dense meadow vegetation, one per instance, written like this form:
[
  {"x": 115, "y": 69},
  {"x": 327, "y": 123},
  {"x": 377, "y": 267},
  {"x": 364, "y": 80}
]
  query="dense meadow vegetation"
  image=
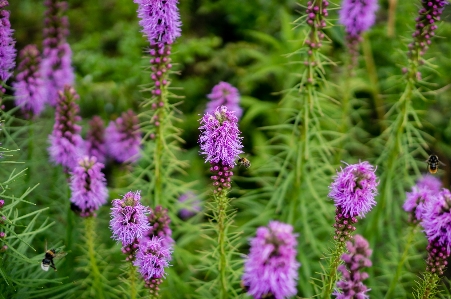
[{"x": 316, "y": 179}]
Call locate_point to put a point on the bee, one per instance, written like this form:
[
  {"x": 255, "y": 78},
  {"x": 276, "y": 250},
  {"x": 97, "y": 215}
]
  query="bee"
[
  {"x": 433, "y": 163},
  {"x": 47, "y": 261},
  {"x": 244, "y": 162}
]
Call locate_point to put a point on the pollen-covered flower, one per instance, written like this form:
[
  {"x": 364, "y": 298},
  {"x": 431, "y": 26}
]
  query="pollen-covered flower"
[
  {"x": 219, "y": 140},
  {"x": 159, "y": 226},
  {"x": 354, "y": 189},
  {"x": 56, "y": 69},
  {"x": 7, "y": 42},
  {"x": 65, "y": 142},
  {"x": 351, "y": 285},
  {"x": 224, "y": 94},
  {"x": 88, "y": 186},
  {"x": 123, "y": 138},
  {"x": 129, "y": 218},
  {"x": 160, "y": 20},
  {"x": 152, "y": 259},
  {"x": 28, "y": 87},
  {"x": 95, "y": 139},
  {"x": 426, "y": 190},
  {"x": 271, "y": 268}
]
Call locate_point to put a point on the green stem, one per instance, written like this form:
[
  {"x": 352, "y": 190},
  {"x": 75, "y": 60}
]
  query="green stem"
[
  {"x": 394, "y": 282},
  {"x": 95, "y": 272},
  {"x": 222, "y": 205},
  {"x": 333, "y": 274},
  {"x": 132, "y": 281}
]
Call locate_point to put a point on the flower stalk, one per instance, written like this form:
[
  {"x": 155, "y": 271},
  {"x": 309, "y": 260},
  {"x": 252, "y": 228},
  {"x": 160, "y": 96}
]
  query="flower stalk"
[{"x": 90, "y": 238}]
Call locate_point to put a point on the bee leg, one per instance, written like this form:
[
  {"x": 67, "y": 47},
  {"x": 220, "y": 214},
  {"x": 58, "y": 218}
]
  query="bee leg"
[
  {"x": 441, "y": 163},
  {"x": 52, "y": 264}
]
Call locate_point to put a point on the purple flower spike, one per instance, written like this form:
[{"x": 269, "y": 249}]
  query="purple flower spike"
[
  {"x": 351, "y": 286},
  {"x": 88, "y": 186},
  {"x": 160, "y": 20},
  {"x": 152, "y": 260},
  {"x": 159, "y": 221},
  {"x": 271, "y": 268},
  {"x": 128, "y": 218},
  {"x": 56, "y": 68},
  {"x": 437, "y": 219},
  {"x": 65, "y": 141},
  {"x": 224, "y": 94},
  {"x": 123, "y": 138},
  {"x": 219, "y": 139},
  {"x": 95, "y": 139},
  {"x": 358, "y": 16},
  {"x": 28, "y": 88},
  {"x": 354, "y": 189},
  {"x": 7, "y": 42}
]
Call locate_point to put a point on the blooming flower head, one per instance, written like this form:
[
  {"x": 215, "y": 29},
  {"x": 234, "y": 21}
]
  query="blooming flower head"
[
  {"x": 224, "y": 94},
  {"x": 271, "y": 268},
  {"x": 123, "y": 138},
  {"x": 219, "y": 140},
  {"x": 354, "y": 189},
  {"x": 88, "y": 186},
  {"x": 129, "y": 218},
  {"x": 426, "y": 189},
  {"x": 437, "y": 219},
  {"x": 7, "y": 42},
  {"x": 65, "y": 141},
  {"x": 191, "y": 205},
  {"x": 160, "y": 20},
  {"x": 430, "y": 182},
  {"x": 28, "y": 90},
  {"x": 351, "y": 286},
  {"x": 56, "y": 69},
  {"x": 95, "y": 139},
  {"x": 152, "y": 260},
  {"x": 159, "y": 221}
]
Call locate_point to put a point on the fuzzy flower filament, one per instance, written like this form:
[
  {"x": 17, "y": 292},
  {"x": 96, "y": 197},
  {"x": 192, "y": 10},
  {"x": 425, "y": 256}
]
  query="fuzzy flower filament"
[
  {"x": 357, "y": 16},
  {"x": 152, "y": 259},
  {"x": 56, "y": 68},
  {"x": 65, "y": 140},
  {"x": 160, "y": 20},
  {"x": 7, "y": 42},
  {"x": 351, "y": 286},
  {"x": 123, "y": 138},
  {"x": 224, "y": 94},
  {"x": 129, "y": 222},
  {"x": 88, "y": 186},
  {"x": 271, "y": 268},
  {"x": 424, "y": 191},
  {"x": 221, "y": 144},
  {"x": 28, "y": 87}
]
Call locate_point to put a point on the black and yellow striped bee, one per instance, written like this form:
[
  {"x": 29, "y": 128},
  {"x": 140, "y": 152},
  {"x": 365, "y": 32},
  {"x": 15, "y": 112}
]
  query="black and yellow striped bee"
[
  {"x": 244, "y": 162},
  {"x": 47, "y": 261},
  {"x": 433, "y": 163}
]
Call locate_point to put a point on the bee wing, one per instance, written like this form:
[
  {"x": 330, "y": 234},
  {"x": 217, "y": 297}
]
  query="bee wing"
[
  {"x": 441, "y": 163},
  {"x": 59, "y": 255}
]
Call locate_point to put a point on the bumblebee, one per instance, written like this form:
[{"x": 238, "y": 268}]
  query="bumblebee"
[
  {"x": 433, "y": 163},
  {"x": 48, "y": 259},
  {"x": 244, "y": 162}
]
